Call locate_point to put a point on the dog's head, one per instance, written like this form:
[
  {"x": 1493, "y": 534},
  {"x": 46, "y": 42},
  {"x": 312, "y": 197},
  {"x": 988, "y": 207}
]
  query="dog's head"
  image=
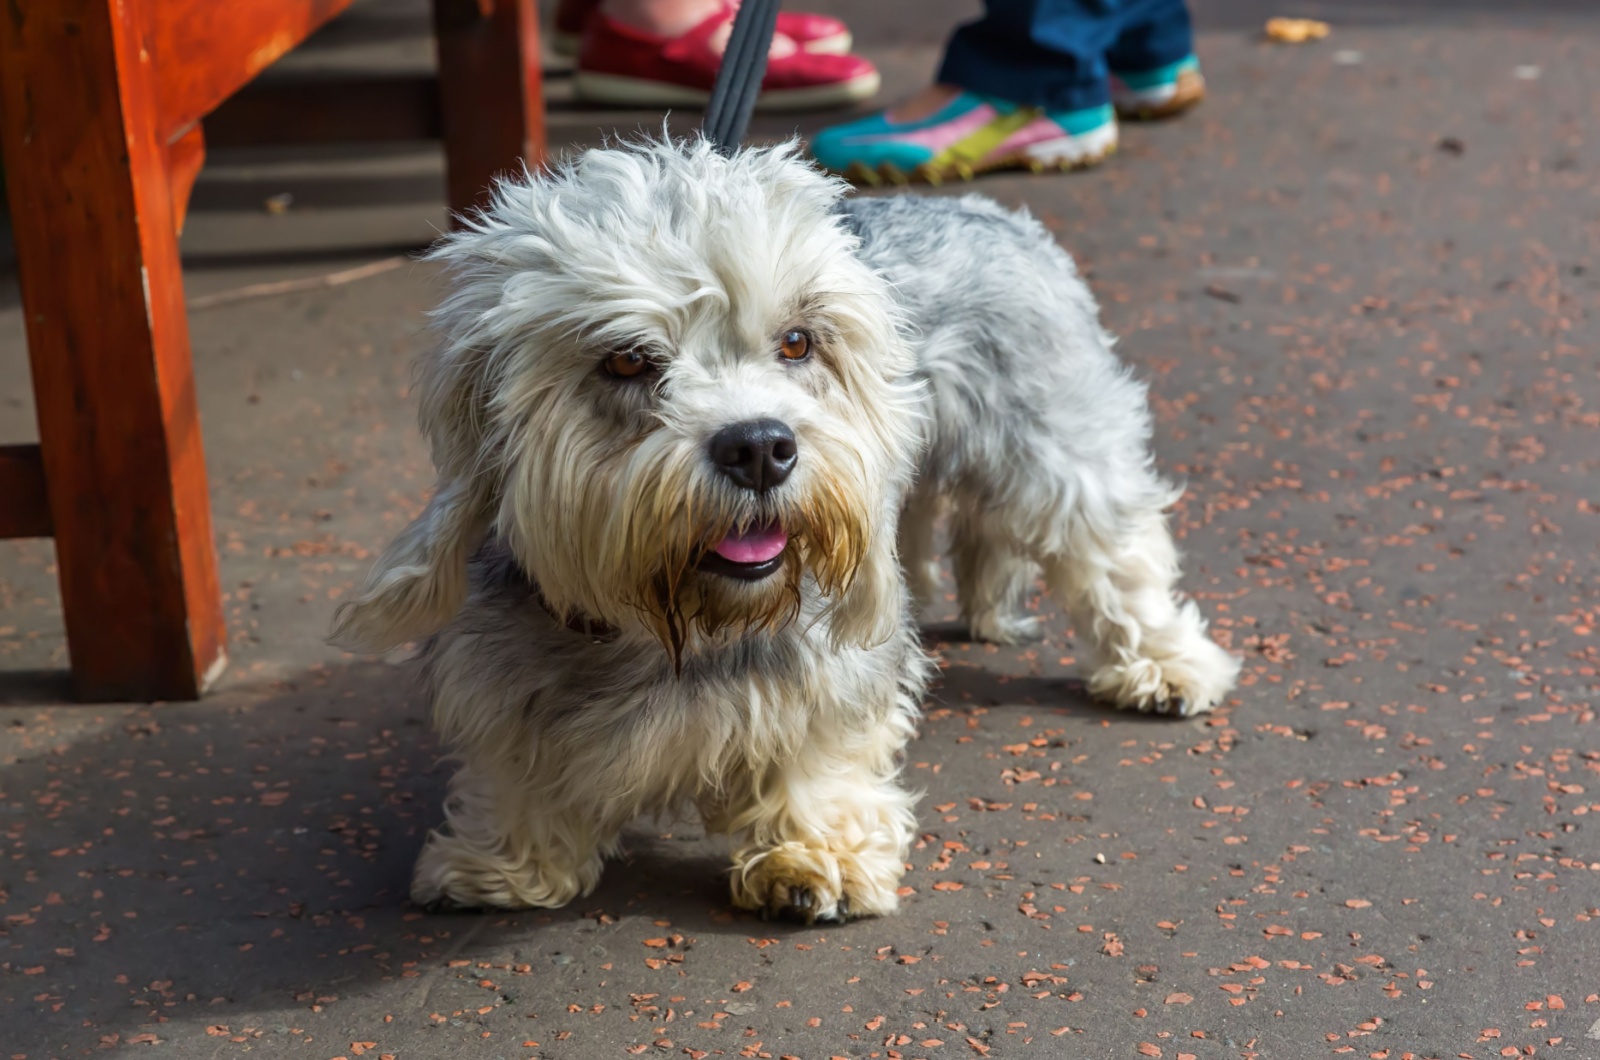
[{"x": 671, "y": 386}]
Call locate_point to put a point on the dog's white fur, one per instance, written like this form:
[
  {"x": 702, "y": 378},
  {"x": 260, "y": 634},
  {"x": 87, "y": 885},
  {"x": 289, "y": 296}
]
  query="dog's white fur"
[{"x": 958, "y": 366}]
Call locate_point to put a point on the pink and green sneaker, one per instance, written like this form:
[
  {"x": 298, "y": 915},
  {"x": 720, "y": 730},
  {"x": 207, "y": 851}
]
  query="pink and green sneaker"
[{"x": 971, "y": 134}]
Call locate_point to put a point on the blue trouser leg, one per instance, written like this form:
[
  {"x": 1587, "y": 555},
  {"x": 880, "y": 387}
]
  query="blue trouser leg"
[
  {"x": 1058, "y": 53},
  {"x": 1160, "y": 36}
]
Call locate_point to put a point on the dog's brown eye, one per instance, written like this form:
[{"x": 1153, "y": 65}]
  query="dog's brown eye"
[
  {"x": 629, "y": 364},
  {"x": 795, "y": 345}
]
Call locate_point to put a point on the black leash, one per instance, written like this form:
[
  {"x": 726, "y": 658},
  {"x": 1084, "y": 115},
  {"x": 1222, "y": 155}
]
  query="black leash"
[{"x": 744, "y": 64}]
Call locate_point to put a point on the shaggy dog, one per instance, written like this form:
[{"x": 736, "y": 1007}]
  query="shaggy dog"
[{"x": 683, "y": 404}]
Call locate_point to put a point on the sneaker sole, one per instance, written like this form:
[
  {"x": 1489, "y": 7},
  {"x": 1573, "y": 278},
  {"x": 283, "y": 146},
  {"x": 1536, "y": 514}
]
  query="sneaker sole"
[
  {"x": 1189, "y": 90},
  {"x": 638, "y": 92},
  {"x": 1077, "y": 152},
  {"x": 568, "y": 44}
]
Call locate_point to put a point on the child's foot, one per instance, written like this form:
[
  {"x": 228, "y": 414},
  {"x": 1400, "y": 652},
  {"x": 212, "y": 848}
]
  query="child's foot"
[
  {"x": 1149, "y": 95},
  {"x": 622, "y": 65},
  {"x": 949, "y": 134},
  {"x": 813, "y": 33}
]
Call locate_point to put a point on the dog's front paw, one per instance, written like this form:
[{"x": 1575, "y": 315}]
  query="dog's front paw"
[
  {"x": 805, "y": 904},
  {"x": 807, "y": 884},
  {"x": 792, "y": 882}
]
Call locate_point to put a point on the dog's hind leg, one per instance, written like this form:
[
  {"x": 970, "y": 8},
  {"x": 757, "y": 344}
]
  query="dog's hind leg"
[
  {"x": 1150, "y": 649},
  {"x": 919, "y": 555},
  {"x": 503, "y": 848},
  {"x": 993, "y": 576}
]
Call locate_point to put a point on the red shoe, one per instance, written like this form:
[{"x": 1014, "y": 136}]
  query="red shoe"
[
  {"x": 813, "y": 33},
  {"x": 623, "y": 66}
]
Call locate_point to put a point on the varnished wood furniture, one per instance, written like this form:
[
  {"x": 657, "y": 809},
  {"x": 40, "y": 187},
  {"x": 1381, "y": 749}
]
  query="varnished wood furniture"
[{"x": 101, "y": 111}]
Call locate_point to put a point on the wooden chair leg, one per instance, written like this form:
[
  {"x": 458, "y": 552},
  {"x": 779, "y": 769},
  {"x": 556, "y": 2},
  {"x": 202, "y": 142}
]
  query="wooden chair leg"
[
  {"x": 92, "y": 210},
  {"x": 491, "y": 98},
  {"x": 185, "y": 156}
]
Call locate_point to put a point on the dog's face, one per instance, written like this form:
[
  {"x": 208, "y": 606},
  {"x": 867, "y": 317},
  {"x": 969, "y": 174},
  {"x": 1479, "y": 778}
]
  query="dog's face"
[{"x": 671, "y": 386}]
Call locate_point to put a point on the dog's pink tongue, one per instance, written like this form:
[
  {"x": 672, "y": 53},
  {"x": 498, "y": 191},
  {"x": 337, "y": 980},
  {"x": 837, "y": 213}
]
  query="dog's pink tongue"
[{"x": 756, "y": 545}]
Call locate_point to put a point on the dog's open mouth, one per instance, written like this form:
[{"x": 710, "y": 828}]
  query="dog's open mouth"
[{"x": 747, "y": 555}]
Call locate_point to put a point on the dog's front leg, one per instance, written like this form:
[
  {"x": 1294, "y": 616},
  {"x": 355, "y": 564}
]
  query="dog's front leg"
[
  {"x": 504, "y": 845},
  {"x": 824, "y": 834}
]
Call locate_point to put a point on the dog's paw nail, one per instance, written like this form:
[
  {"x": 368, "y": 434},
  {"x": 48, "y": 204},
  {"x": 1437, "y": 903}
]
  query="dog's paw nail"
[
  {"x": 841, "y": 912},
  {"x": 799, "y": 904}
]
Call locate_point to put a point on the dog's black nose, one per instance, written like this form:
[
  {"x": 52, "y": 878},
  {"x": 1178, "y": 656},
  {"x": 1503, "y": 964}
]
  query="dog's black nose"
[{"x": 757, "y": 454}]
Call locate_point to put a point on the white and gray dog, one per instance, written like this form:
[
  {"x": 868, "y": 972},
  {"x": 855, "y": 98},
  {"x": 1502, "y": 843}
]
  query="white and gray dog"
[{"x": 682, "y": 405}]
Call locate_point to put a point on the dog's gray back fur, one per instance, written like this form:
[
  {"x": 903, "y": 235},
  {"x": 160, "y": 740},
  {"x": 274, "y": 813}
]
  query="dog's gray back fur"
[{"x": 1008, "y": 342}]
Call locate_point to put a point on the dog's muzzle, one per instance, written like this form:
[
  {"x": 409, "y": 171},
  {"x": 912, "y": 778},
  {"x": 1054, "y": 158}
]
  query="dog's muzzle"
[{"x": 756, "y": 455}]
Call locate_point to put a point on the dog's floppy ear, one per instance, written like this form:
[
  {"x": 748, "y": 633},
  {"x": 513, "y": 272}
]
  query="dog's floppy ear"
[{"x": 420, "y": 581}]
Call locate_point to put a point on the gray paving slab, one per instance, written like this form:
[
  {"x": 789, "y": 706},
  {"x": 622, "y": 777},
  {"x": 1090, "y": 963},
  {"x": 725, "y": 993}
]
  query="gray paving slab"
[{"x": 1361, "y": 281}]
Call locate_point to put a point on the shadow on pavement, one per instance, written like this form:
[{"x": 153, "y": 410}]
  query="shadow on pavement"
[{"x": 185, "y": 862}]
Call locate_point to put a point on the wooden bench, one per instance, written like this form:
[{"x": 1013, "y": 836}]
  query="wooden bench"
[{"x": 102, "y": 104}]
